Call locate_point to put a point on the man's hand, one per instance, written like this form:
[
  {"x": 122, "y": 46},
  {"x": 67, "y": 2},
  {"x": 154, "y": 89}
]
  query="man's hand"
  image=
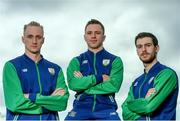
[
  {"x": 150, "y": 92},
  {"x": 105, "y": 77},
  {"x": 26, "y": 95},
  {"x": 58, "y": 91},
  {"x": 78, "y": 74}
]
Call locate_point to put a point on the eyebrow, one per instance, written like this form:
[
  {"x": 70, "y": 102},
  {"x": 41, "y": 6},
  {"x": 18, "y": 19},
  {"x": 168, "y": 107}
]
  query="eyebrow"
[{"x": 145, "y": 44}]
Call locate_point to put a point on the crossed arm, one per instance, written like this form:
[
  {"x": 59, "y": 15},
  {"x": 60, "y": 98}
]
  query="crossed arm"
[
  {"x": 18, "y": 102},
  {"x": 56, "y": 92},
  {"x": 90, "y": 84},
  {"x": 164, "y": 83},
  {"x": 78, "y": 74}
]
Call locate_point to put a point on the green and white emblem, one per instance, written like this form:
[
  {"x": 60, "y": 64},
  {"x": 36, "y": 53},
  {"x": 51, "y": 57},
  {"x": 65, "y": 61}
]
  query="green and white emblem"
[
  {"x": 106, "y": 62},
  {"x": 51, "y": 71}
]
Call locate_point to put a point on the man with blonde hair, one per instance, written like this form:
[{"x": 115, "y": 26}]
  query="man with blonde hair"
[{"x": 34, "y": 88}]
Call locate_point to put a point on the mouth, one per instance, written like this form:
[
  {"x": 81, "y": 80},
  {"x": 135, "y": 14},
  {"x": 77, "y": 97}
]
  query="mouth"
[
  {"x": 34, "y": 46},
  {"x": 144, "y": 55},
  {"x": 93, "y": 41}
]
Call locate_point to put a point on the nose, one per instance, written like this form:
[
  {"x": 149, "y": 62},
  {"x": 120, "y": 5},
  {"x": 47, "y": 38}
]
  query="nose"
[
  {"x": 34, "y": 40},
  {"x": 93, "y": 35},
  {"x": 143, "y": 48}
]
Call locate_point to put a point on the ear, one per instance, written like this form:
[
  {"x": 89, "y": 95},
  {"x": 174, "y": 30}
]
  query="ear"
[
  {"x": 23, "y": 39},
  {"x": 157, "y": 48},
  {"x": 104, "y": 37},
  {"x": 43, "y": 40},
  {"x": 84, "y": 37}
]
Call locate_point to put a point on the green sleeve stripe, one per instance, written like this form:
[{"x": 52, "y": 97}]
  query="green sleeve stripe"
[
  {"x": 73, "y": 66},
  {"x": 78, "y": 83},
  {"x": 164, "y": 83},
  {"x": 113, "y": 84},
  {"x": 55, "y": 103},
  {"x": 14, "y": 97},
  {"x": 126, "y": 113},
  {"x": 60, "y": 79}
]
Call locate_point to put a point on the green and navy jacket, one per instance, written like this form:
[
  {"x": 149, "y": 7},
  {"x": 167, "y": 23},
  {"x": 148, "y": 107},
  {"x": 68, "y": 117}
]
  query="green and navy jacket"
[
  {"x": 21, "y": 76},
  {"x": 91, "y": 92},
  {"x": 161, "y": 105}
]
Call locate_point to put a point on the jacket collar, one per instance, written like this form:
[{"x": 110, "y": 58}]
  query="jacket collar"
[
  {"x": 153, "y": 68},
  {"x": 30, "y": 60},
  {"x": 98, "y": 53}
]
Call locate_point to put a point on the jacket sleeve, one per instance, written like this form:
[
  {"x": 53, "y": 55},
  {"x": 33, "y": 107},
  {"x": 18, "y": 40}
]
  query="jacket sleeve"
[
  {"x": 126, "y": 113},
  {"x": 114, "y": 82},
  {"x": 78, "y": 83},
  {"x": 164, "y": 83},
  {"x": 14, "y": 97},
  {"x": 55, "y": 103}
]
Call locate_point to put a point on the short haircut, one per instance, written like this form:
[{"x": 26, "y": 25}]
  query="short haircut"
[
  {"x": 33, "y": 23},
  {"x": 147, "y": 34},
  {"x": 94, "y": 21}
]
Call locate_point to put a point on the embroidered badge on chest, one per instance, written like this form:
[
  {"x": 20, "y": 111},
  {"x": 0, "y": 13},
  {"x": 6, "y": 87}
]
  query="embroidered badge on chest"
[
  {"x": 51, "y": 71},
  {"x": 105, "y": 62}
]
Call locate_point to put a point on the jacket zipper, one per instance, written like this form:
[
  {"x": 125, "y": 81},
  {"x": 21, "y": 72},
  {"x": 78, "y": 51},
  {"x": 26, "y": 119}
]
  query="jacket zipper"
[
  {"x": 95, "y": 71},
  {"x": 141, "y": 86},
  {"x": 40, "y": 88},
  {"x": 147, "y": 117},
  {"x": 39, "y": 82}
]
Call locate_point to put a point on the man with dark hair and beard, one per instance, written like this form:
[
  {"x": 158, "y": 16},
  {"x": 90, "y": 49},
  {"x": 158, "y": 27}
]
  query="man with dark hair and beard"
[{"x": 153, "y": 95}]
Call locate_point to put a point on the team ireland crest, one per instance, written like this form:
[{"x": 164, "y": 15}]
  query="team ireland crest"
[
  {"x": 51, "y": 71},
  {"x": 106, "y": 62}
]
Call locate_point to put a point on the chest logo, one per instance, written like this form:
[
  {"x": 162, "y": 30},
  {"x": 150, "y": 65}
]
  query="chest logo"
[
  {"x": 150, "y": 80},
  {"x": 106, "y": 62},
  {"x": 51, "y": 71},
  {"x": 24, "y": 70},
  {"x": 135, "y": 84},
  {"x": 85, "y": 61}
]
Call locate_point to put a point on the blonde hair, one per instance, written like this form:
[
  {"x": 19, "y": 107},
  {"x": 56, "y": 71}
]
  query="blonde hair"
[{"x": 33, "y": 23}]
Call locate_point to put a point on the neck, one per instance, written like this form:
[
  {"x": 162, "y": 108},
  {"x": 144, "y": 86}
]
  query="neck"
[
  {"x": 95, "y": 50},
  {"x": 35, "y": 57},
  {"x": 148, "y": 66}
]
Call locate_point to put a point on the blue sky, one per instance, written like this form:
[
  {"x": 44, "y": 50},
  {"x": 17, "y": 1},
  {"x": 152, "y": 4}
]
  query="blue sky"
[{"x": 64, "y": 22}]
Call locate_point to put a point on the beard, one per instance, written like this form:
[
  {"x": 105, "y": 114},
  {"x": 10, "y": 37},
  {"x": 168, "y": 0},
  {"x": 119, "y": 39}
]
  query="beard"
[{"x": 150, "y": 59}]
